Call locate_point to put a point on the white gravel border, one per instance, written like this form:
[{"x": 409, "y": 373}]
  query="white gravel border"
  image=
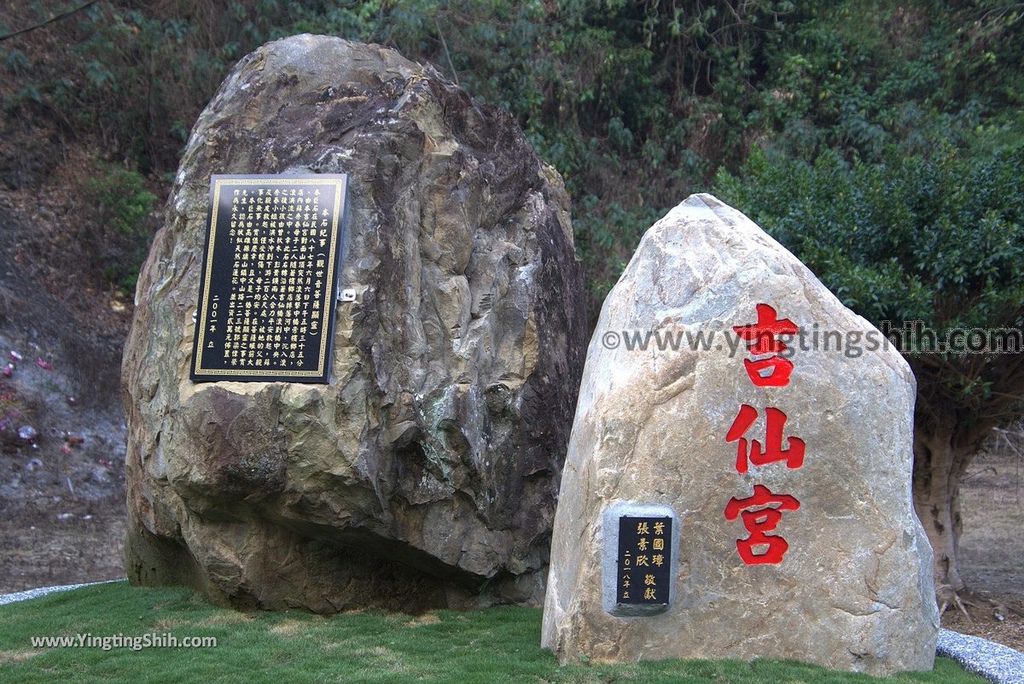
[
  {"x": 995, "y": 662},
  {"x": 43, "y": 591}
]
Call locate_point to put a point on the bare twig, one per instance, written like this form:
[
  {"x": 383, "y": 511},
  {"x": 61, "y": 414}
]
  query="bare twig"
[
  {"x": 448, "y": 55},
  {"x": 56, "y": 17},
  {"x": 989, "y": 469},
  {"x": 1006, "y": 436}
]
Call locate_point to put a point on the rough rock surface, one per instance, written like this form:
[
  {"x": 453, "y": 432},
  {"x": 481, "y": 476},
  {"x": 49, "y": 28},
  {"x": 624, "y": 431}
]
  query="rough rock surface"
[
  {"x": 425, "y": 474},
  {"x": 854, "y": 591}
]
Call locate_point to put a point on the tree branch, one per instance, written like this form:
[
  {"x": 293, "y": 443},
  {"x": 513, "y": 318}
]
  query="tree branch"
[
  {"x": 52, "y": 19},
  {"x": 448, "y": 55}
]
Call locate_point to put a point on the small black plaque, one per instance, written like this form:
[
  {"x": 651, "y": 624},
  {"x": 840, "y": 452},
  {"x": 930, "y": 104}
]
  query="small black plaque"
[
  {"x": 269, "y": 278},
  {"x": 644, "y": 560}
]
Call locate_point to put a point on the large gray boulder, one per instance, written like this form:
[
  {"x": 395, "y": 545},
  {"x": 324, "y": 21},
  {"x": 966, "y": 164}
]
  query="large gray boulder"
[
  {"x": 425, "y": 474},
  {"x": 854, "y": 589}
]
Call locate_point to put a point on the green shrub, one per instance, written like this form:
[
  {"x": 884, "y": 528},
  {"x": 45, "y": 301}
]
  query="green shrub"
[
  {"x": 937, "y": 239},
  {"x": 121, "y": 199},
  {"x": 120, "y": 207}
]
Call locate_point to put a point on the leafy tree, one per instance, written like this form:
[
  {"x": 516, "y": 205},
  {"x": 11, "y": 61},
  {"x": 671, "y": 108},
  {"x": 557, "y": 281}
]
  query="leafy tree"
[{"x": 935, "y": 239}]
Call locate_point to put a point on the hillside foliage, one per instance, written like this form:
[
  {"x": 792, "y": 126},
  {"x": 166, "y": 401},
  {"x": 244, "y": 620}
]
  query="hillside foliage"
[{"x": 880, "y": 141}]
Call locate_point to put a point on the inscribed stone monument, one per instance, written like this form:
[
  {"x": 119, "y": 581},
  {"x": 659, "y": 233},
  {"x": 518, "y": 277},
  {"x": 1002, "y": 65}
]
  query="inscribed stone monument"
[
  {"x": 783, "y": 466},
  {"x": 418, "y": 466}
]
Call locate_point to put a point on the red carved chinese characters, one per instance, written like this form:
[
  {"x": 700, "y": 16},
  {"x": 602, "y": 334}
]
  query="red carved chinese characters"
[
  {"x": 773, "y": 451},
  {"x": 759, "y": 522},
  {"x": 762, "y": 512},
  {"x": 761, "y": 338}
]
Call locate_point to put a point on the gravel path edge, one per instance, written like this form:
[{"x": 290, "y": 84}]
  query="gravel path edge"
[
  {"x": 43, "y": 591},
  {"x": 995, "y": 662}
]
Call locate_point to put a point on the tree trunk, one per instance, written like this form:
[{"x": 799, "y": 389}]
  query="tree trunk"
[{"x": 938, "y": 469}]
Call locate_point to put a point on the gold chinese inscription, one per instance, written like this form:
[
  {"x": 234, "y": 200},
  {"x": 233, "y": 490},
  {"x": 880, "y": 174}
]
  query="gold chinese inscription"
[
  {"x": 643, "y": 560},
  {"x": 268, "y": 288}
]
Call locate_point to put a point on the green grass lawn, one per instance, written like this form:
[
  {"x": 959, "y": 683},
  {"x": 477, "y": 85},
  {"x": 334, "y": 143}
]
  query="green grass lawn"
[{"x": 499, "y": 644}]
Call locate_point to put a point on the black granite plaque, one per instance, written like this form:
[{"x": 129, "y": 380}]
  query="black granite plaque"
[
  {"x": 269, "y": 278},
  {"x": 644, "y": 560}
]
